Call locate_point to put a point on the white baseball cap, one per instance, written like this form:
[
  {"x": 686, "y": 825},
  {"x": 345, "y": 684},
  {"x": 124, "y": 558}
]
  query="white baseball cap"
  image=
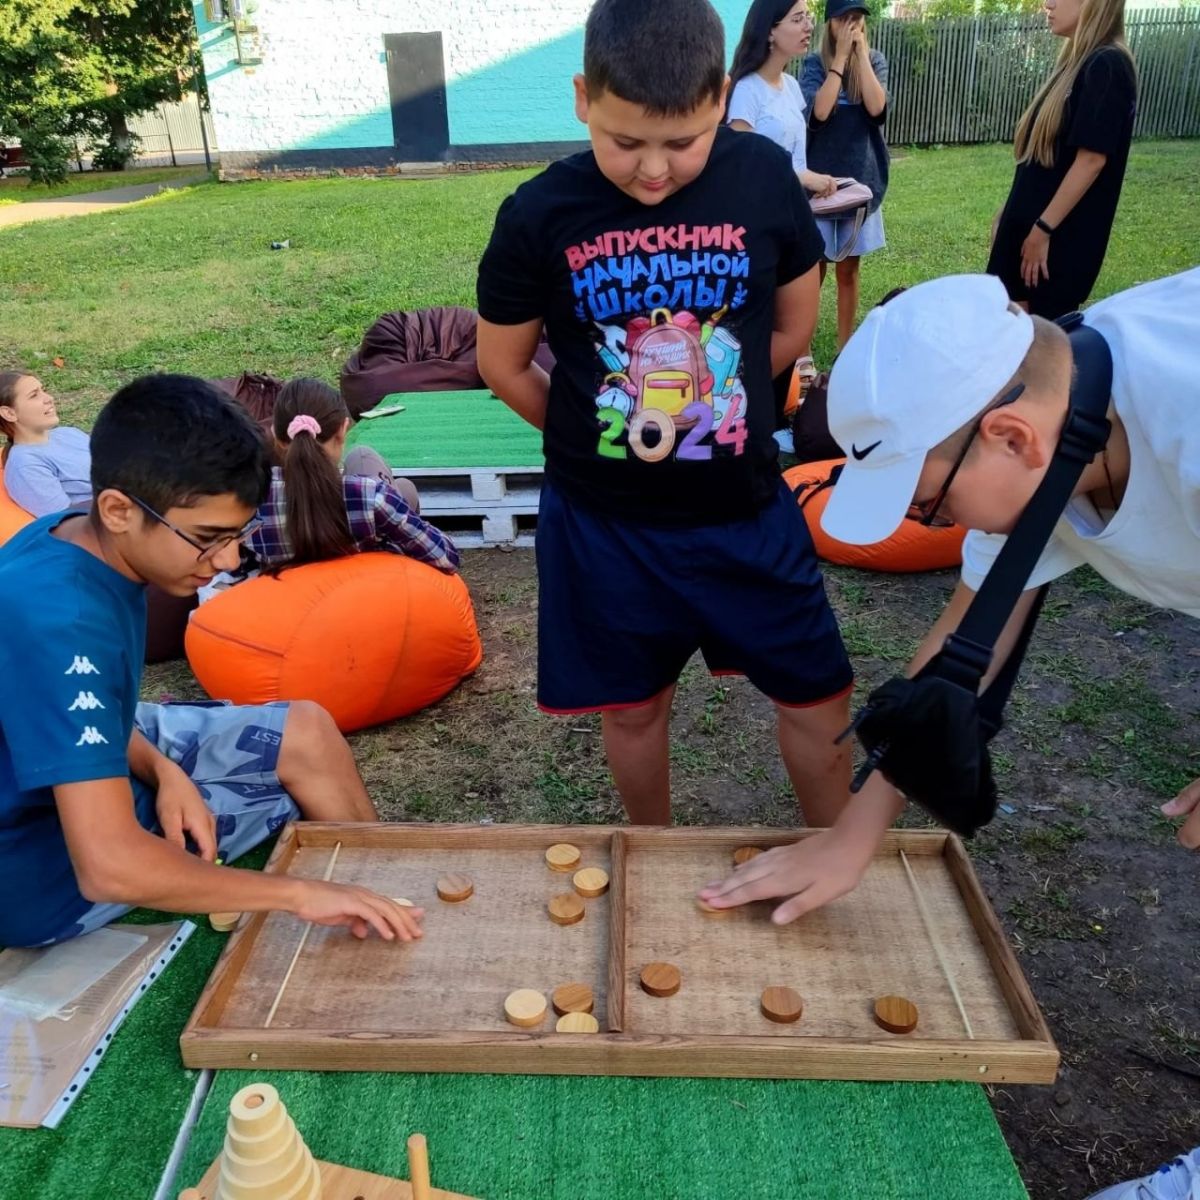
[{"x": 918, "y": 368}]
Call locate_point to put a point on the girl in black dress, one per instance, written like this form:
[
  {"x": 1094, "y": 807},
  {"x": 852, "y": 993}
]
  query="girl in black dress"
[{"x": 1071, "y": 147}]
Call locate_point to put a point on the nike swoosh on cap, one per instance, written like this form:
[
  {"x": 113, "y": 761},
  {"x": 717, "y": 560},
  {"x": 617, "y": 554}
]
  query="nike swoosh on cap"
[{"x": 859, "y": 455}]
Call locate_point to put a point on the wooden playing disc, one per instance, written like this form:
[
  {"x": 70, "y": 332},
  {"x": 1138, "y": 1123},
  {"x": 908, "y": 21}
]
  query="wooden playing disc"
[
  {"x": 661, "y": 979},
  {"x": 400, "y": 900},
  {"x": 781, "y": 1005},
  {"x": 709, "y": 911},
  {"x": 896, "y": 1014},
  {"x": 573, "y": 998},
  {"x": 563, "y": 857},
  {"x": 743, "y": 854},
  {"x": 525, "y": 1008},
  {"x": 591, "y": 882},
  {"x": 223, "y": 922},
  {"x": 565, "y": 909},
  {"x": 577, "y": 1022},
  {"x": 454, "y": 888}
]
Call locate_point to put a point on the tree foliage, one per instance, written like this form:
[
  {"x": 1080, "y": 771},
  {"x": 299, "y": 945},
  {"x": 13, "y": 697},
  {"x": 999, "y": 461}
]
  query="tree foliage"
[{"x": 81, "y": 68}]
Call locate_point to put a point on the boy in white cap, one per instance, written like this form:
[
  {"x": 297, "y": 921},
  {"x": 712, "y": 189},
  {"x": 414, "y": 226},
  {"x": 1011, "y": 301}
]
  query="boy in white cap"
[{"x": 949, "y": 402}]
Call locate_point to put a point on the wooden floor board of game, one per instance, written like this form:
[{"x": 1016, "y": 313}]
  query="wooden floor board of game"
[{"x": 673, "y": 990}]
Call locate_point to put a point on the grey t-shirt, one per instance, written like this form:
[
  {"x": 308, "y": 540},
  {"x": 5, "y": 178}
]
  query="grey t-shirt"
[
  {"x": 849, "y": 142},
  {"x": 53, "y": 475}
]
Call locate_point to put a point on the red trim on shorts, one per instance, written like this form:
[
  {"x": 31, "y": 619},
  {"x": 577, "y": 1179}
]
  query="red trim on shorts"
[
  {"x": 783, "y": 704},
  {"x": 814, "y": 703},
  {"x": 602, "y": 708}
]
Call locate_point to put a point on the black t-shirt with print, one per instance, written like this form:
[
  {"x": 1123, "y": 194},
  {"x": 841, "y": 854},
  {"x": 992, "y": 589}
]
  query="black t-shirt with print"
[
  {"x": 660, "y": 317},
  {"x": 1098, "y": 115}
]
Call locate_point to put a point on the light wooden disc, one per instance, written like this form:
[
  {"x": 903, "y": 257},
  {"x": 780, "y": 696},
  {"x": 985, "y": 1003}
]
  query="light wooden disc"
[
  {"x": 566, "y": 909},
  {"x": 709, "y": 911},
  {"x": 896, "y": 1014},
  {"x": 743, "y": 854},
  {"x": 400, "y": 900},
  {"x": 573, "y": 998},
  {"x": 224, "y": 922},
  {"x": 591, "y": 882},
  {"x": 525, "y": 1008},
  {"x": 781, "y": 1004},
  {"x": 661, "y": 979},
  {"x": 577, "y": 1022},
  {"x": 454, "y": 888},
  {"x": 563, "y": 857}
]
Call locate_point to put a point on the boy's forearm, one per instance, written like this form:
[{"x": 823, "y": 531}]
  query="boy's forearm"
[
  {"x": 150, "y": 872},
  {"x": 526, "y": 393},
  {"x": 869, "y": 815},
  {"x": 786, "y": 346},
  {"x": 146, "y": 761}
]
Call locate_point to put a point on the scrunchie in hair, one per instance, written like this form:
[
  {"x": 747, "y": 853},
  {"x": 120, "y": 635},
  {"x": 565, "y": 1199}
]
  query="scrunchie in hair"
[{"x": 303, "y": 424}]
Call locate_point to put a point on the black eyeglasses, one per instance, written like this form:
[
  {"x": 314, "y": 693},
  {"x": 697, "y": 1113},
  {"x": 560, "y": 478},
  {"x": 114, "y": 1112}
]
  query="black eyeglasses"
[
  {"x": 212, "y": 549},
  {"x": 926, "y": 512}
]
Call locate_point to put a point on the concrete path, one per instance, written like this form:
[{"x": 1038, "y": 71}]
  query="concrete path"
[{"x": 88, "y": 202}]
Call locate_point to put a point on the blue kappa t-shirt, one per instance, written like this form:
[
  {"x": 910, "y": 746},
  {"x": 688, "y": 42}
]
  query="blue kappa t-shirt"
[{"x": 70, "y": 669}]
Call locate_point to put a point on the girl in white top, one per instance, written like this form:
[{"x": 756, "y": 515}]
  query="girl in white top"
[{"x": 764, "y": 99}]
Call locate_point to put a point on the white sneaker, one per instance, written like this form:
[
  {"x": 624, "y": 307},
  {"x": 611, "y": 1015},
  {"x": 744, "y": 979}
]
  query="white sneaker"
[{"x": 1177, "y": 1180}]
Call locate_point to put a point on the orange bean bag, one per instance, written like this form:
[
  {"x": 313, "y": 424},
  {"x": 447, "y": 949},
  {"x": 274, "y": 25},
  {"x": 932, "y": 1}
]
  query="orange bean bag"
[
  {"x": 371, "y": 638},
  {"x": 13, "y": 518},
  {"x": 913, "y": 547}
]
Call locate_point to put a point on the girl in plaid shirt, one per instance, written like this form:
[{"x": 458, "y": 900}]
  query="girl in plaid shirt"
[{"x": 313, "y": 512}]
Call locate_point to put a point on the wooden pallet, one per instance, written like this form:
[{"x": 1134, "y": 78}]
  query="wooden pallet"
[{"x": 480, "y": 506}]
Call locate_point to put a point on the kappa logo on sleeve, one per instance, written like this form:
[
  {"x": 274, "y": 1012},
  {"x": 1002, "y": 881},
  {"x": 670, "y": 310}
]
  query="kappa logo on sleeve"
[
  {"x": 86, "y": 701},
  {"x": 82, "y": 666},
  {"x": 91, "y": 736}
]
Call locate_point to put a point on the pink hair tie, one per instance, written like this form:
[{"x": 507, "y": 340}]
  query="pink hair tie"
[{"x": 303, "y": 424}]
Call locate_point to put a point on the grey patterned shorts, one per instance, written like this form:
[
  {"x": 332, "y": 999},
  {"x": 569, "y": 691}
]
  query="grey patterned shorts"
[{"x": 231, "y": 755}]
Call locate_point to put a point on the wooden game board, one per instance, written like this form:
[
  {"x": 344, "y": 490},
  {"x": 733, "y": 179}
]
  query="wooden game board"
[{"x": 918, "y": 926}]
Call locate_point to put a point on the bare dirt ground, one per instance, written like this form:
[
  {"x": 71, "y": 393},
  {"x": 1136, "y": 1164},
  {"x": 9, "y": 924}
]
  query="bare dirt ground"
[{"x": 1101, "y": 903}]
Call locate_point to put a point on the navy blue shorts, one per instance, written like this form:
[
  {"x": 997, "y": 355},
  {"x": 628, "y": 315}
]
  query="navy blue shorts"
[{"x": 622, "y": 607}]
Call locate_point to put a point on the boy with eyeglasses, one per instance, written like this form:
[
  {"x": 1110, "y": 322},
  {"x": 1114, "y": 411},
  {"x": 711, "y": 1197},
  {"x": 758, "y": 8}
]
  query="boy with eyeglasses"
[
  {"x": 107, "y": 804},
  {"x": 949, "y": 402}
]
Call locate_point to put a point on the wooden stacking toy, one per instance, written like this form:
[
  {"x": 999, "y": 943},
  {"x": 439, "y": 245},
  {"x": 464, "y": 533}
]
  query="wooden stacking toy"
[{"x": 265, "y": 1157}]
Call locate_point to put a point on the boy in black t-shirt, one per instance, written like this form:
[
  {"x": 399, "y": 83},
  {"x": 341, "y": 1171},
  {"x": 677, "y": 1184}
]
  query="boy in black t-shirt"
[{"x": 674, "y": 269}]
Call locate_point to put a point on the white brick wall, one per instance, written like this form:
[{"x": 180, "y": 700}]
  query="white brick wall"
[{"x": 322, "y": 83}]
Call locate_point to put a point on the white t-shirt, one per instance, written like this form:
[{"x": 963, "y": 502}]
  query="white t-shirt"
[
  {"x": 1151, "y": 547},
  {"x": 777, "y": 113}
]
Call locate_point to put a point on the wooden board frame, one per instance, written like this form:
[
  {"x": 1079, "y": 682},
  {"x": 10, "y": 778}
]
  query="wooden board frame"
[{"x": 1030, "y": 1057}]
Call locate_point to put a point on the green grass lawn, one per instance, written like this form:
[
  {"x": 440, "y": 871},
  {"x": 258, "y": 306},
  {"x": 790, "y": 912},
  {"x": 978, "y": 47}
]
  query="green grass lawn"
[
  {"x": 16, "y": 189},
  {"x": 189, "y": 283}
]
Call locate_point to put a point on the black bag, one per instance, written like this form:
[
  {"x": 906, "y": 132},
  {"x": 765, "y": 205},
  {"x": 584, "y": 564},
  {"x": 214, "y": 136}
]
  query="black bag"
[{"x": 929, "y": 735}]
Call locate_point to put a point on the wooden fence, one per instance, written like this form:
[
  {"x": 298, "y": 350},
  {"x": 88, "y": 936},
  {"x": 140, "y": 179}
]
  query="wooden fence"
[{"x": 969, "y": 79}]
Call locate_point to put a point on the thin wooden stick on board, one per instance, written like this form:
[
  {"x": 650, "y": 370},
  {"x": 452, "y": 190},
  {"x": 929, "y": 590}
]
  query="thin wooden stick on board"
[
  {"x": 937, "y": 946},
  {"x": 303, "y": 938}
]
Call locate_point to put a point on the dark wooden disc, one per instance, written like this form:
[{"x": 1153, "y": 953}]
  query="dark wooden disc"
[
  {"x": 781, "y": 1005},
  {"x": 896, "y": 1014},
  {"x": 661, "y": 979},
  {"x": 573, "y": 997}
]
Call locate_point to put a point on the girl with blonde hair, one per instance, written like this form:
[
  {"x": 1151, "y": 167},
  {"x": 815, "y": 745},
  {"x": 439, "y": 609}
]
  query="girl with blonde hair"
[
  {"x": 1071, "y": 147},
  {"x": 845, "y": 87}
]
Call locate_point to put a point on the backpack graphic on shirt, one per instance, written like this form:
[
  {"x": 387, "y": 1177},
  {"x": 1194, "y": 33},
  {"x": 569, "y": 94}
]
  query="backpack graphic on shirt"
[{"x": 668, "y": 369}]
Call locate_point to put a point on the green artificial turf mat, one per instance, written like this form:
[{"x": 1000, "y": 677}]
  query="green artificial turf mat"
[
  {"x": 450, "y": 429},
  {"x": 518, "y": 1137},
  {"x": 116, "y": 1138}
]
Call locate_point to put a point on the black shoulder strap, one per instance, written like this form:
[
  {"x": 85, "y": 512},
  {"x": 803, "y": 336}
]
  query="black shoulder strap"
[{"x": 967, "y": 653}]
